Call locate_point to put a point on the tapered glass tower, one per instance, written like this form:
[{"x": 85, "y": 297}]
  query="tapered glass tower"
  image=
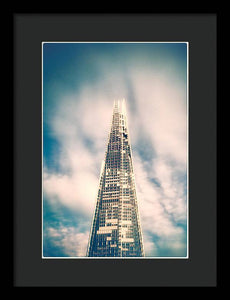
[{"x": 116, "y": 231}]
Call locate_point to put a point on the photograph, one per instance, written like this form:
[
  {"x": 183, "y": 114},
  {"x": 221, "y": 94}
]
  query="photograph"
[{"x": 115, "y": 150}]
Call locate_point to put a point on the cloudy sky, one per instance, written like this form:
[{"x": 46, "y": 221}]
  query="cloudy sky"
[{"x": 80, "y": 83}]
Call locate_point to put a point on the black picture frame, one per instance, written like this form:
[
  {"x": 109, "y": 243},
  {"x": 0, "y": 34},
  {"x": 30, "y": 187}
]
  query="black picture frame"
[{"x": 200, "y": 31}]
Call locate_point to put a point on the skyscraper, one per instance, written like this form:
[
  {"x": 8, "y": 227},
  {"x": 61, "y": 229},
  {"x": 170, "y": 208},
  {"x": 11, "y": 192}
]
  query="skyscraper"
[{"x": 116, "y": 231}]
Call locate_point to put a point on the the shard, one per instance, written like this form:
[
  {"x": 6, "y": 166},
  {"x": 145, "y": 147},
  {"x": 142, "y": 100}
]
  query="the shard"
[{"x": 116, "y": 230}]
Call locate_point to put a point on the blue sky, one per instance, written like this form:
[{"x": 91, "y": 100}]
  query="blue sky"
[{"x": 80, "y": 83}]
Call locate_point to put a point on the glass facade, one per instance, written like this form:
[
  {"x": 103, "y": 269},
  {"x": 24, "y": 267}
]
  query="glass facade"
[{"x": 115, "y": 230}]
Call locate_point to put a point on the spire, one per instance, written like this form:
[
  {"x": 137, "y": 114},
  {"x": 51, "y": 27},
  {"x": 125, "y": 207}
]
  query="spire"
[
  {"x": 116, "y": 230},
  {"x": 119, "y": 106}
]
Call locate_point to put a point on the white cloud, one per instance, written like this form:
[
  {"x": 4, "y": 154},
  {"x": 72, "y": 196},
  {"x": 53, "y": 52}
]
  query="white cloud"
[
  {"x": 154, "y": 216},
  {"x": 161, "y": 109},
  {"x": 150, "y": 247},
  {"x": 69, "y": 240},
  {"x": 75, "y": 191}
]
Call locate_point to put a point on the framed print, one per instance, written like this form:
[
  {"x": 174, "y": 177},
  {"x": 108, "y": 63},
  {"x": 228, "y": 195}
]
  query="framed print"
[{"x": 115, "y": 145}]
